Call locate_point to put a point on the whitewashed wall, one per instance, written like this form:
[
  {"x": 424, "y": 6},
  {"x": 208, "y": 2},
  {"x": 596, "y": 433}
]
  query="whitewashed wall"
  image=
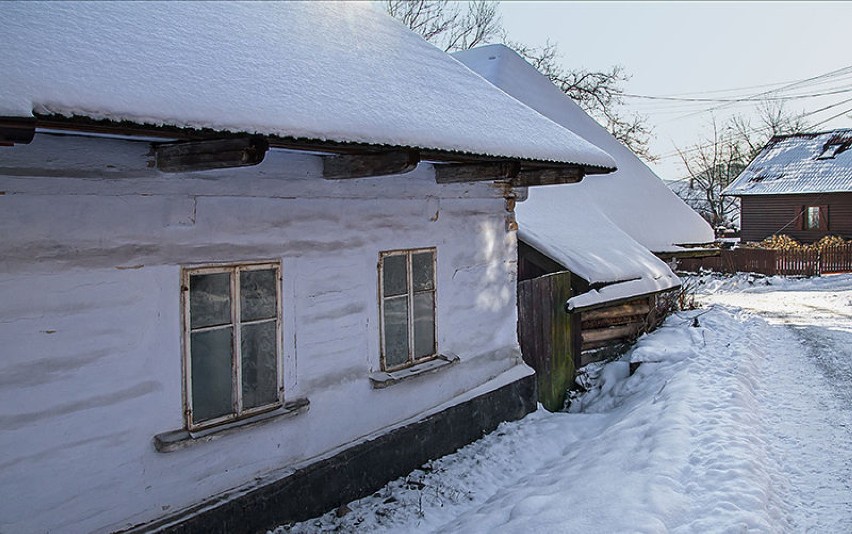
[{"x": 91, "y": 246}]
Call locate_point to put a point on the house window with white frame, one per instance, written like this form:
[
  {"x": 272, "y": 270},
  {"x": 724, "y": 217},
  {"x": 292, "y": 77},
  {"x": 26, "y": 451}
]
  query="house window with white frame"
[
  {"x": 407, "y": 302},
  {"x": 232, "y": 341}
]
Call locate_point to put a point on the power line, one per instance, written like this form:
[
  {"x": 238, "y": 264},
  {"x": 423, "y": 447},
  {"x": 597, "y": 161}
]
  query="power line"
[
  {"x": 765, "y": 129},
  {"x": 746, "y": 99},
  {"x": 806, "y": 81}
]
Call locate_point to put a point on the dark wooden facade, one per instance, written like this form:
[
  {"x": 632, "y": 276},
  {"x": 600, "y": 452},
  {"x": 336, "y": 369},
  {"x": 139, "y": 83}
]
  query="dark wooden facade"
[{"x": 766, "y": 215}]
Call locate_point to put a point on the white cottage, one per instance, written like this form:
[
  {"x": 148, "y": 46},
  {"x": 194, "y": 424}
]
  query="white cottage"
[{"x": 257, "y": 259}]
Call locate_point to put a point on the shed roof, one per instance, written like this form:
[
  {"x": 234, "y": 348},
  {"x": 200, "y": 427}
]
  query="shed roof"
[
  {"x": 332, "y": 72},
  {"x": 799, "y": 163}
]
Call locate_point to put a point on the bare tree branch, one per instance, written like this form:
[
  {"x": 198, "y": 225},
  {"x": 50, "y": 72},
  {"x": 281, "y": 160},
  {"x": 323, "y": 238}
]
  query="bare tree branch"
[{"x": 456, "y": 26}]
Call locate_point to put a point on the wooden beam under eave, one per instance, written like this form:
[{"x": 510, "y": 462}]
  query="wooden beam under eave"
[
  {"x": 453, "y": 173},
  {"x": 347, "y": 166},
  {"x": 17, "y": 130},
  {"x": 548, "y": 176}
]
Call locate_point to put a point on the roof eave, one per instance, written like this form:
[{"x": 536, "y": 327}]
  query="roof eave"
[{"x": 21, "y": 130}]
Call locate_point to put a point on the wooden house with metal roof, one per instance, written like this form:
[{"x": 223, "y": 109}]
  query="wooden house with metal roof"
[{"x": 799, "y": 185}]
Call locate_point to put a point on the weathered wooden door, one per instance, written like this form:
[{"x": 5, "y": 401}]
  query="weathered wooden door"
[{"x": 545, "y": 331}]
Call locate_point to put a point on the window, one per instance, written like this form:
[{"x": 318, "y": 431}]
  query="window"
[
  {"x": 231, "y": 342},
  {"x": 815, "y": 218},
  {"x": 407, "y": 286}
]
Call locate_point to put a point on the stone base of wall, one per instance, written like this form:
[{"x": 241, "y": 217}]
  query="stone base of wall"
[{"x": 357, "y": 471}]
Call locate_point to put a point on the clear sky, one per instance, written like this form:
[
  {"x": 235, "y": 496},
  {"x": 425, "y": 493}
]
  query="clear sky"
[{"x": 683, "y": 48}]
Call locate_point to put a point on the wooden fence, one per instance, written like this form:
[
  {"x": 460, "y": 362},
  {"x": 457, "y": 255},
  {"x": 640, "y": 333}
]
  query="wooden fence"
[{"x": 808, "y": 262}]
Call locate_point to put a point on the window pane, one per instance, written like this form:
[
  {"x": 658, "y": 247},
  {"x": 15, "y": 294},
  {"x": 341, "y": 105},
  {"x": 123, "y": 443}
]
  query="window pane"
[
  {"x": 260, "y": 372},
  {"x": 258, "y": 295},
  {"x": 209, "y": 299},
  {"x": 813, "y": 217},
  {"x": 424, "y": 324},
  {"x": 211, "y": 374},
  {"x": 396, "y": 331},
  {"x": 422, "y": 268},
  {"x": 394, "y": 275}
]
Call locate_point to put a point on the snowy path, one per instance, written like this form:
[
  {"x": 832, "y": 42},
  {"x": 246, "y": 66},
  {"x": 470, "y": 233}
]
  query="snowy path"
[
  {"x": 742, "y": 424},
  {"x": 812, "y": 433}
]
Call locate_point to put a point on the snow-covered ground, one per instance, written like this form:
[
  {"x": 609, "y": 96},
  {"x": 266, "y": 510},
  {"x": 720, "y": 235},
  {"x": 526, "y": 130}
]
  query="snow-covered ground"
[{"x": 742, "y": 423}]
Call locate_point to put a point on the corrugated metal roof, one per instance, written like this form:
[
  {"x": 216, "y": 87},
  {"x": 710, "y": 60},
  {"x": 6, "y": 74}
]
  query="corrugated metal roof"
[{"x": 801, "y": 163}]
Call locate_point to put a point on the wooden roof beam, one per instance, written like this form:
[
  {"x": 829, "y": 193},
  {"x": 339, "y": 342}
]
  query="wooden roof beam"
[
  {"x": 549, "y": 176},
  {"x": 188, "y": 156},
  {"x": 511, "y": 172},
  {"x": 16, "y": 130},
  {"x": 452, "y": 173},
  {"x": 347, "y": 166}
]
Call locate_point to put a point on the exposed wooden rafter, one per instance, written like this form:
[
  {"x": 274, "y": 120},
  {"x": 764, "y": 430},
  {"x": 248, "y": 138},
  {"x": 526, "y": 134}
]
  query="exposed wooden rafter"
[
  {"x": 548, "y": 176},
  {"x": 186, "y": 156},
  {"x": 16, "y": 130},
  {"x": 511, "y": 172},
  {"x": 346, "y": 166},
  {"x": 450, "y": 173}
]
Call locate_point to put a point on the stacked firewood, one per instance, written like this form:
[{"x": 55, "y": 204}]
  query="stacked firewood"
[{"x": 785, "y": 242}]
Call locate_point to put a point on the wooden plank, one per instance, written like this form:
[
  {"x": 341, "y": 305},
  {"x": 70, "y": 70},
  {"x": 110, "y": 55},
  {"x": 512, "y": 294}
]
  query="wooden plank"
[
  {"x": 187, "y": 156},
  {"x": 17, "y": 130},
  {"x": 548, "y": 176},
  {"x": 610, "y": 333},
  {"x": 630, "y": 308},
  {"x": 451, "y": 173},
  {"x": 348, "y": 166}
]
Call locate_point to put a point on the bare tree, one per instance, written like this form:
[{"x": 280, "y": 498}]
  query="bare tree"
[
  {"x": 597, "y": 92},
  {"x": 451, "y": 26},
  {"x": 712, "y": 164},
  {"x": 455, "y": 26}
]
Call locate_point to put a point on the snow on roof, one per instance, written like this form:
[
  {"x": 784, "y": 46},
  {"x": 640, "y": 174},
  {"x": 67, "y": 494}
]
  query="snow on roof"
[
  {"x": 801, "y": 163},
  {"x": 604, "y": 228},
  {"x": 340, "y": 72},
  {"x": 633, "y": 197},
  {"x": 586, "y": 242}
]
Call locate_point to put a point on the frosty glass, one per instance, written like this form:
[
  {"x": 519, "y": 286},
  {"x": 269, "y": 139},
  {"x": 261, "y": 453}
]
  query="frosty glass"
[
  {"x": 257, "y": 294},
  {"x": 211, "y": 374},
  {"x": 260, "y": 375},
  {"x": 424, "y": 324},
  {"x": 394, "y": 276},
  {"x": 422, "y": 267},
  {"x": 396, "y": 331},
  {"x": 209, "y": 299}
]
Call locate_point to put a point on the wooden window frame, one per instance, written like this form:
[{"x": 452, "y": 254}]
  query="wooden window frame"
[
  {"x": 409, "y": 253},
  {"x": 234, "y": 270}
]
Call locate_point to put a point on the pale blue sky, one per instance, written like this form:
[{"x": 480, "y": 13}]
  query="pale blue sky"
[{"x": 672, "y": 48}]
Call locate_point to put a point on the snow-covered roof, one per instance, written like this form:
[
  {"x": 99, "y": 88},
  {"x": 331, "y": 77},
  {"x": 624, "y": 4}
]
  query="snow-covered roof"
[
  {"x": 604, "y": 228},
  {"x": 633, "y": 197},
  {"x": 340, "y": 72},
  {"x": 587, "y": 243},
  {"x": 801, "y": 163}
]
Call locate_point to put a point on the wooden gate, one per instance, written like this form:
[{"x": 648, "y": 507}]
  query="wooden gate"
[{"x": 545, "y": 331}]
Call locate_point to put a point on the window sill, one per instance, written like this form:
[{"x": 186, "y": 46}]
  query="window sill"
[
  {"x": 179, "y": 439},
  {"x": 381, "y": 379}
]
